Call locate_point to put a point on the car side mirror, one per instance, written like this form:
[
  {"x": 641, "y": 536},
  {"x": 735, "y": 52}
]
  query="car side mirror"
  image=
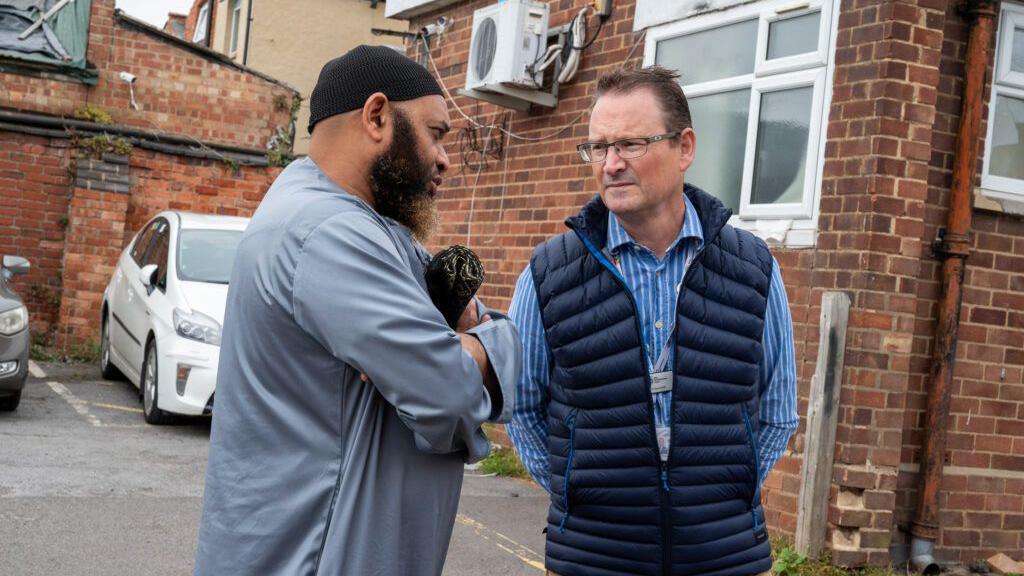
[
  {"x": 148, "y": 277},
  {"x": 16, "y": 265}
]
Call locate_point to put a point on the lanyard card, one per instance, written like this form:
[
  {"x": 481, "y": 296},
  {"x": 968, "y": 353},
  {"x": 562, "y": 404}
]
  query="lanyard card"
[{"x": 661, "y": 382}]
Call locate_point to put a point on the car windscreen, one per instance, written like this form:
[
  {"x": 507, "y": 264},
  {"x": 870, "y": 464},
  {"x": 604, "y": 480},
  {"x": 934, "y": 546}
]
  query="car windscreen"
[{"x": 207, "y": 255}]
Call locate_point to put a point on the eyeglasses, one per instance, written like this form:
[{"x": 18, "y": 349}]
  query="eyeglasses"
[{"x": 627, "y": 148}]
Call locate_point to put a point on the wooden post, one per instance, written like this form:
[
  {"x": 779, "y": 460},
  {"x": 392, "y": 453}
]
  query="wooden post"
[{"x": 822, "y": 415}]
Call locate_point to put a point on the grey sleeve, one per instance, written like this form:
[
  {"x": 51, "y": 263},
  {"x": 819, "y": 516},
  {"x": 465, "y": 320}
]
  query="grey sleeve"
[
  {"x": 354, "y": 294},
  {"x": 505, "y": 353}
]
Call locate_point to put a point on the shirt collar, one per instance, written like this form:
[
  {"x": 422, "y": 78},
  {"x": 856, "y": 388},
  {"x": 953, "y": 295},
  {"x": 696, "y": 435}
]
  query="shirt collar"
[{"x": 618, "y": 237}]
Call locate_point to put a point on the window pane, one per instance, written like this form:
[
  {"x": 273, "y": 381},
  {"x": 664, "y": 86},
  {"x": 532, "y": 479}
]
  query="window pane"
[
  {"x": 720, "y": 121},
  {"x": 236, "y": 16},
  {"x": 1017, "y": 57},
  {"x": 139, "y": 249},
  {"x": 781, "y": 156},
  {"x": 710, "y": 54},
  {"x": 794, "y": 35},
  {"x": 158, "y": 256},
  {"x": 1008, "y": 138},
  {"x": 202, "y": 21},
  {"x": 207, "y": 255}
]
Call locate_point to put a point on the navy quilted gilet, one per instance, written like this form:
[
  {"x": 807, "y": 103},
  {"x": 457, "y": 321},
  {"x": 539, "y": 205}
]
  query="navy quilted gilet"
[{"x": 615, "y": 508}]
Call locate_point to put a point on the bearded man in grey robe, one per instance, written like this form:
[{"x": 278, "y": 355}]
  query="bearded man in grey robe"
[{"x": 346, "y": 406}]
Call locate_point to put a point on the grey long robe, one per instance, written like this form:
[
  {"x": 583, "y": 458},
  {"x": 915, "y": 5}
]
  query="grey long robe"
[{"x": 312, "y": 471}]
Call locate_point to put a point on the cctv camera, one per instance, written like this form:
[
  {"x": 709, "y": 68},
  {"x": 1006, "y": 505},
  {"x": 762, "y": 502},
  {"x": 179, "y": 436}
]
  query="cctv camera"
[
  {"x": 435, "y": 28},
  {"x": 128, "y": 77}
]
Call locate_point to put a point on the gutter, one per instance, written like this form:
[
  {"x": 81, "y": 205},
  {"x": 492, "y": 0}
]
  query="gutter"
[
  {"x": 953, "y": 247},
  {"x": 57, "y": 127}
]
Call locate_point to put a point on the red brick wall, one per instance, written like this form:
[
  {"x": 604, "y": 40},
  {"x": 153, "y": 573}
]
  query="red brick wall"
[
  {"x": 178, "y": 90},
  {"x": 166, "y": 182},
  {"x": 181, "y": 92},
  {"x": 983, "y": 500},
  {"x": 34, "y": 181},
  {"x": 92, "y": 248},
  {"x": 886, "y": 176},
  {"x": 104, "y": 221}
]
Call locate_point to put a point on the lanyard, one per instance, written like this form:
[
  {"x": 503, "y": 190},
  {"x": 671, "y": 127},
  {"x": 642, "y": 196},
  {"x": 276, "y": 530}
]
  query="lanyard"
[{"x": 666, "y": 349}]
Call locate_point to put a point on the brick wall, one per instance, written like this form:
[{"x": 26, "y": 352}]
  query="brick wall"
[
  {"x": 192, "y": 185},
  {"x": 99, "y": 200},
  {"x": 105, "y": 212},
  {"x": 983, "y": 500},
  {"x": 876, "y": 171},
  {"x": 71, "y": 215},
  {"x": 886, "y": 176},
  {"x": 179, "y": 90},
  {"x": 34, "y": 193}
]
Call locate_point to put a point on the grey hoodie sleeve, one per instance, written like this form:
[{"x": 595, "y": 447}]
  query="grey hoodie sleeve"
[{"x": 356, "y": 296}]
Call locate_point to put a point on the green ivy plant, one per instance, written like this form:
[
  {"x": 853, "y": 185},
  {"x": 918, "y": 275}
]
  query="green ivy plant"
[
  {"x": 93, "y": 114},
  {"x": 100, "y": 144}
]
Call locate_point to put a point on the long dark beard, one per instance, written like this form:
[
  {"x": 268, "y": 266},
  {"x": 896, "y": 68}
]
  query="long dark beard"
[{"x": 400, "y": 178}]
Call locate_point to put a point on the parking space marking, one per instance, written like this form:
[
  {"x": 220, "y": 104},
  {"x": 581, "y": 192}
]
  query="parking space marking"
[
  {"x": 77, "y": 403},
  {"x": 35, "y": 370},
  {"x": 526, "y": 555},
  {"x": 116, "y": 407}
]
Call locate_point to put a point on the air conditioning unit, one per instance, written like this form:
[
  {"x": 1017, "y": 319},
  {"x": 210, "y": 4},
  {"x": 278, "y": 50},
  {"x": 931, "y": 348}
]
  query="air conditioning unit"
[{"x": 508, "y": 39}]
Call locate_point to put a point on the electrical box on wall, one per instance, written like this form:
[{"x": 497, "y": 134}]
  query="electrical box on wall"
[{"x": 508, "y": 39}]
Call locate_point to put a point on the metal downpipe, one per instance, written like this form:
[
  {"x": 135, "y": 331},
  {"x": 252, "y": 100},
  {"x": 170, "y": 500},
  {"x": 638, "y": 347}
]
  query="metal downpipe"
[{"x": 953, "y": 247}]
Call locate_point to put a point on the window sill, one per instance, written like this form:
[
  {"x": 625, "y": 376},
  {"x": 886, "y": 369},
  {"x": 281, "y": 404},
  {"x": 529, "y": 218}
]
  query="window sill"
[
  {"x": 780, "y": 233},
  {"x": 1001, "y": 202}
]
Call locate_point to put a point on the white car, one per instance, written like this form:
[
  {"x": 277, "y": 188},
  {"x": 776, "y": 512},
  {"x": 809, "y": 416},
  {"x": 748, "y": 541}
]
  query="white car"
[{"x": 163, "y": 311}]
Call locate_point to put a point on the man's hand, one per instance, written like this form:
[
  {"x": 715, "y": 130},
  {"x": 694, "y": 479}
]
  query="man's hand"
[{"x": 470, "y": 318}]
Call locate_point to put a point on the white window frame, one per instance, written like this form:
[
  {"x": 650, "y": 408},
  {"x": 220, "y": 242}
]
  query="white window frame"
[
  {"x": 803, "y": 209},
  {"x": 236, "y": 22},
  {"x": 809, "y": 69},
  {"x": 1006, "y": 83},
  {"x": 202, "y": 23}
]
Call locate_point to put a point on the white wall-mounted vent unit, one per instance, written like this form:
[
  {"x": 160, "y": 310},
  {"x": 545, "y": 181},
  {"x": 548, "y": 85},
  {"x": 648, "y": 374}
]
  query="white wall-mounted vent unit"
[{"x": 508, "y": 39}]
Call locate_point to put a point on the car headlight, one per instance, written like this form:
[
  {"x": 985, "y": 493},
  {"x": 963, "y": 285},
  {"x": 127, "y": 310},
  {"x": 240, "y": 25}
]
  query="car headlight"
[
  {"x": 196, "y": 326},
  {"x": 13, "y": 321}
]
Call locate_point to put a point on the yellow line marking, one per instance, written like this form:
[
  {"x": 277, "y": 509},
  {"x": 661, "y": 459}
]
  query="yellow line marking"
[
  {"x": 528, "y": 556},
  {"x": 116, "y": 407}
]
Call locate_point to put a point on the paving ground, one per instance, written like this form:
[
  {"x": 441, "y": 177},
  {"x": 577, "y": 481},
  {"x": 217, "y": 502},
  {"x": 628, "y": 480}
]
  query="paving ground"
[{"x": 88, "y": 489}]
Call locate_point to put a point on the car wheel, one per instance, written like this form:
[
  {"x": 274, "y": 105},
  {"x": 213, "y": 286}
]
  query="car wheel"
[
  {"x": 10, "y": 403},
  {"x": 109, "y": 371},
  {"x": 150, "y": 386}
]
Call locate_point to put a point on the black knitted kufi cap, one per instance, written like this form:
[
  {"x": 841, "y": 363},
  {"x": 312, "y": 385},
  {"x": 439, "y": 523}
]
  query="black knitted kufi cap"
[{"x": 346, "y": 82}]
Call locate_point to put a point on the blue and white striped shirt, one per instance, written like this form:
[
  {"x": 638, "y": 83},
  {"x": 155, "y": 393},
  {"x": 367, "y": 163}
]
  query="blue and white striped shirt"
[{"x": 654, "y": 284}]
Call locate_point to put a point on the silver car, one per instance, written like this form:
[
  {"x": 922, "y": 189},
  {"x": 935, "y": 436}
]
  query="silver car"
[{"x": 14, "y": 340}]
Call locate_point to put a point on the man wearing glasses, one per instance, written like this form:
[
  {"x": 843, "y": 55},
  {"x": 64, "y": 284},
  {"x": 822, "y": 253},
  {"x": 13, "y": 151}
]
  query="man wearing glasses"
[{"x": 659, "y": 383}]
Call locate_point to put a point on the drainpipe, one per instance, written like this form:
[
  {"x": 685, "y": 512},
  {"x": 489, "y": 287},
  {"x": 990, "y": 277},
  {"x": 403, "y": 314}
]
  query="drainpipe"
[
  {"x": 209, "y": 23},
  {"x": 953, "y": 247},
  {"x": 248, "y": 33}
]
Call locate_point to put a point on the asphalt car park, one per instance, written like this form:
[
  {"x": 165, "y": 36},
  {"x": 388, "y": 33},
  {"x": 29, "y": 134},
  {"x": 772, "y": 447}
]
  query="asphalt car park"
[{"x": 88, "y": 488}]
